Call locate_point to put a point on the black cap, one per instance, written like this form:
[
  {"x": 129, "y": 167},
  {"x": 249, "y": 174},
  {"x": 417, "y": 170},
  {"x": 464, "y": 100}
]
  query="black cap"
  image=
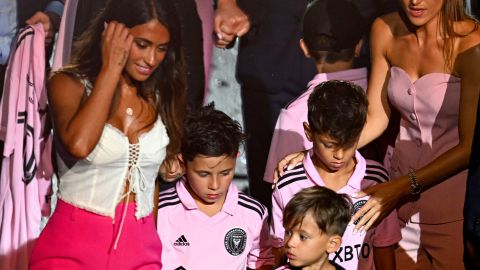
[{"x": 339, "y": 20}]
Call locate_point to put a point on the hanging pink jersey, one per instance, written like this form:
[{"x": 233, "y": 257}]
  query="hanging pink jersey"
[
  {"x": 65, "y": 35},
  {"x": 206, "y": 14},
  {"x": 26, "y": 165}
]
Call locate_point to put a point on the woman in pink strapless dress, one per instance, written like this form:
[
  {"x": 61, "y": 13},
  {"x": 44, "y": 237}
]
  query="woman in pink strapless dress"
[{"x": 426, "y": 65}]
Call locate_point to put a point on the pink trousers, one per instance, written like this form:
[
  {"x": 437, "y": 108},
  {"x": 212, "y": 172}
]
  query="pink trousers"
[{"x": 79, "y": 239}]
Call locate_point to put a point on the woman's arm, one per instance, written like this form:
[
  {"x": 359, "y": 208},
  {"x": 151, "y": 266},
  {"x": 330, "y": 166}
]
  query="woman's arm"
[
  {"x": 378, "y": 107},
  {"x": 386, "y": 196},
  {"x": 78, "y": 123}
]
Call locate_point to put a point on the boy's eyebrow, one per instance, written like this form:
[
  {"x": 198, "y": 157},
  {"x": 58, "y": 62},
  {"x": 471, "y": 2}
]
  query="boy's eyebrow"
[
  {"x": 303, "y": 231},
  {"x": 201, "y": 171},
  {"x": 332, "y": 141}
]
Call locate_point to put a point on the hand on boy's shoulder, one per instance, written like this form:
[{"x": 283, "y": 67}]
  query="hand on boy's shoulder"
[{"x": 289, "y": 173}]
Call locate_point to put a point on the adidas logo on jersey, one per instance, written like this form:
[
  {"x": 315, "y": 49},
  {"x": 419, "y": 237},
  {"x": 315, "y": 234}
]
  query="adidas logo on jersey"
[{"x": 181, "y": 241}]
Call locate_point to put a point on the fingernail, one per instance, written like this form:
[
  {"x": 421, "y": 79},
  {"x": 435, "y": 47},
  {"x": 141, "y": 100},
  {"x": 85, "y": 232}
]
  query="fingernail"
[
  {"x": 219, "y": 35},
  {"x": 289, "y": 167}
]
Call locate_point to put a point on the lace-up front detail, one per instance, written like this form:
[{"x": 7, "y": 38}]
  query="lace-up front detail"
[
  {"x": 136, "y": 181},
  {"x": 135, "y": 177}
]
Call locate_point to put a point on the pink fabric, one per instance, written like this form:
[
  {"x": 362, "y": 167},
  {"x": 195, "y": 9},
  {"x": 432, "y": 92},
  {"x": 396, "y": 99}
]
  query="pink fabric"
[
  {"x": 356, "y": 249},
  {"x": 194, "y": 240},
  {"x": 65, "y": 35},
  {"x": 429, "y": 110},
  {"x": 289, "y": 136},
  {"x": 435, "y": 247},
  {"x": 205, "y": 12},
  {"x": 77, "y": 239},
  {"x": 26, "y": 167}
]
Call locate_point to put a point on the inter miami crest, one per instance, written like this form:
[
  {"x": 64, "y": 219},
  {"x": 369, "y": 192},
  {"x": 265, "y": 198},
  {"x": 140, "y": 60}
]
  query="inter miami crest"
[
  {"x": 356, "y": 207},
  {"x": 235, "y": 241}
]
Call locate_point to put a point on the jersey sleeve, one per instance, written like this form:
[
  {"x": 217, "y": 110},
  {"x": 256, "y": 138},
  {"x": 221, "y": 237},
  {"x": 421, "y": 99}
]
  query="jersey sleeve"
[
  {"x": 277, "y": 231},
  {"x": 288, "y": 136},
  {"x": 261, "y": 252}
]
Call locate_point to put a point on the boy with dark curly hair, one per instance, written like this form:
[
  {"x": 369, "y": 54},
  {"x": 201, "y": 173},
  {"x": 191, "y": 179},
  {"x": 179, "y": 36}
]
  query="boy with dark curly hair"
[{"x": 204, "y": 222}]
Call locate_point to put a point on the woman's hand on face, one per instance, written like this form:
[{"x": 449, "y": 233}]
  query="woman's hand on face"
[
  {"x": 171, "y": 169},
  {"x": 287, "y": 162},
  {"x": 116, "y": 44},
  {"x": 384, "y": 198}
]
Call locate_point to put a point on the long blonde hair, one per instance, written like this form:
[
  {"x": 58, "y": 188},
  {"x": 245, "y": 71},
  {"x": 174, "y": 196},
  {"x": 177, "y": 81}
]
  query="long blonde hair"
[{"x": 452, "y": 11}]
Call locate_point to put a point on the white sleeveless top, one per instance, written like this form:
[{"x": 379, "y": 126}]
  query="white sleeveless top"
[{"x": 97, "y": 183}]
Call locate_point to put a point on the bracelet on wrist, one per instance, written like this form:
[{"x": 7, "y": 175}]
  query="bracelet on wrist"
[{"x": 415, "y": 187}]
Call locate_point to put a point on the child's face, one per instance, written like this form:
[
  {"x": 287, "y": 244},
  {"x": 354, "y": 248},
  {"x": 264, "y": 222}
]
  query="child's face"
[
  {"x": 210, "y": 177},
  {"x": 331, "y": 156},
  {"x": 308, "y": 245}
]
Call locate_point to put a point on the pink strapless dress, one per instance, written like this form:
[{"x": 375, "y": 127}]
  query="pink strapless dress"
[{"x": 429, "y": 109}]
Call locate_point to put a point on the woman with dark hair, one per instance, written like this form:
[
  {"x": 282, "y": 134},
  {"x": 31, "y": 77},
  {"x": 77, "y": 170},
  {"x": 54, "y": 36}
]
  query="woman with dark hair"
[
  {"x": 117, "y": 111},
  {"x": 426, "y": 65}
]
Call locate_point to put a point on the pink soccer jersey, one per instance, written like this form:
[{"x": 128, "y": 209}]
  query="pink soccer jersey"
[
  {"x": 356, "y": 249},
  {"x": 288, "y": 136},
  {"x": 235, "y": 238}
]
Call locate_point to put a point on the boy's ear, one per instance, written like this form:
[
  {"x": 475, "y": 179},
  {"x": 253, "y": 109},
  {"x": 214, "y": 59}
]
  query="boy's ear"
[
  {"x": 304, "y": 48},
  {"x": 358, "y": 48},
  {"x": 334, "y": 243},
  {"x": 308, "y": 131}
]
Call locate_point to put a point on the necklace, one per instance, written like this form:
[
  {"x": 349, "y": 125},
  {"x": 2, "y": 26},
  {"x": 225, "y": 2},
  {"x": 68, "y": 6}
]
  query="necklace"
[{"x": 129, "y": 111}]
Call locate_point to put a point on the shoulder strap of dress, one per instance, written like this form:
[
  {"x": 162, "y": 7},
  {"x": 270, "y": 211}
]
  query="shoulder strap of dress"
[{"x": 87, "y": 84}]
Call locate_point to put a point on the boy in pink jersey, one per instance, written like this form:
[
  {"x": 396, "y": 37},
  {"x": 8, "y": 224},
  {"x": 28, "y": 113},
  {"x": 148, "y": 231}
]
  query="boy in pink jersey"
[
  {"x": 315, "y": 220},
  {"x": 204, "y": 222},
  {"x": 336, "y": 115},
  {"x": 332, "y": 36}
]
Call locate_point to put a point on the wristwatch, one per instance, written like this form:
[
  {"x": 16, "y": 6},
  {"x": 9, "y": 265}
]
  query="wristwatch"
[{"x": 415, "y": 187}]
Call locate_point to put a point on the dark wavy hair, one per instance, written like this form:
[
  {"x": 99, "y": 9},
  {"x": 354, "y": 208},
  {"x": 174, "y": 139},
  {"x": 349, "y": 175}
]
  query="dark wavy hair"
[
  {"x": 167, "y": 84},
  {"x": 212, "y": 133},
  {"x": 331, "y": 211},
  {"x": 338, "y": 109}
]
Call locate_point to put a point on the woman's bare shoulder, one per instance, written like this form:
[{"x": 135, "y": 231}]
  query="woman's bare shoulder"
[
  {"x": 469, "y": 35},
  {"x": 64, "y": 80},
  {"x": 389, "y": 24},
  {"x": 385, "y": 30},
  {"x": 467, "y": 51}
]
